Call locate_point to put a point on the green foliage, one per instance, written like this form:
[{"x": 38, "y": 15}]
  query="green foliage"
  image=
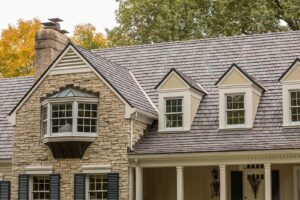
[{"x": 148, "y": 21}]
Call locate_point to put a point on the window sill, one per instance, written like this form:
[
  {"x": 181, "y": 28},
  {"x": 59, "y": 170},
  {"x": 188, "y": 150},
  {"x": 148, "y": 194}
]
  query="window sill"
[
  {"x": 69, "y": 137},
  {"x": 173, "y": 131},
  {"x": 235, "y": 128},
  {"x": 291, "y": 126}
]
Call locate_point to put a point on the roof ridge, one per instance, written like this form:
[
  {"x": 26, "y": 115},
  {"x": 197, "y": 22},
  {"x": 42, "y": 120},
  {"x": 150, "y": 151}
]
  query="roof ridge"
[{"x": 241, "y": 36}]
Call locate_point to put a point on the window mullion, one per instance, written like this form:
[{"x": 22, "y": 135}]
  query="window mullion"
[{"x": 75, "y": 116}]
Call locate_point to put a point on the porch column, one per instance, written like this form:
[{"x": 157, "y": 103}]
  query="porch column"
[
  {"x": 131, "y": 185},
  {"x": 268, "y": 185},
  {"x": 139, "y": 183},
  {"x": 180, "y": 183},
  {"x": 223, "y": 182}
]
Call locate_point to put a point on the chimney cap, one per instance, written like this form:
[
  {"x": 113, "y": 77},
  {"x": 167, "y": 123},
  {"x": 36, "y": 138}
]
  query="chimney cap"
[{"x": 55, "y": 20}]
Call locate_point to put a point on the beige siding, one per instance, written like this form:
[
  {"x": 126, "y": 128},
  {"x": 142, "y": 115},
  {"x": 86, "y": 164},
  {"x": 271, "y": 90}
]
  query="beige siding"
[
  {"x": 234, "y": 78},
  {"x": 194, "y": 107},
  {"x": 256, "y": 99},
  {"x": 6, "y": 171},
  {"x": 294, "y": 74},
  {"x": 173, "y": 82}
]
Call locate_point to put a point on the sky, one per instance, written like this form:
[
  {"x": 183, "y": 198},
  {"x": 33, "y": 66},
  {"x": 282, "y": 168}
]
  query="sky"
[{"x": 100, "y": 13}]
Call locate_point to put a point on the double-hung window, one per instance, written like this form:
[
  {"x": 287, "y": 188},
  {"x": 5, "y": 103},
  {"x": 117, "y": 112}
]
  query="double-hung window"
[
  {"x": 174, "y": 113},
  {"x": 235, "y": 109},
  {"x": 87, "y": 118},
  {"x": 62, "y": 118},
  {"x": 97, "y": 187},
  {"x": 40, "y": 188},
  {"x": 295, "y": 106}
]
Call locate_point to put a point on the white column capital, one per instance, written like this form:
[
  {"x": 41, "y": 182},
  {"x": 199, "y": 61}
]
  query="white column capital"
[{"x": 267, "y": 166}]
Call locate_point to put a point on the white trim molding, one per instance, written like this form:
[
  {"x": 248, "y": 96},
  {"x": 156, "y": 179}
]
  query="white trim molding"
[
  {"x": 38, "y": 170},
  {"x": 218, "y": 158}
]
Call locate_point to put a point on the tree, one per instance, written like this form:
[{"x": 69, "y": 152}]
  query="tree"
[
  {"x": 17, "y": 48},
  {"x": 85, "y": 35},
  {"x": 148, "y": 21}
]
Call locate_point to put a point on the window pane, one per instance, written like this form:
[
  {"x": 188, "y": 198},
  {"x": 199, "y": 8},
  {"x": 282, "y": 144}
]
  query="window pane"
[
  {"x": 235, "y": 109},
  {"x": 40, "y": 187},
  {"x": 295, "y": 106},
  {"x": 87, "y": 117},
  {"x": 97, "y": 187},
  {"x": 174, "y": 120},
  {"x": 62, "y": 118}
]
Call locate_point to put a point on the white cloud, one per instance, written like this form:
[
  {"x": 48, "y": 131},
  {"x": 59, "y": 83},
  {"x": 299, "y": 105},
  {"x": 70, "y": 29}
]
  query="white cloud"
[{"x": 100, "y": 13}]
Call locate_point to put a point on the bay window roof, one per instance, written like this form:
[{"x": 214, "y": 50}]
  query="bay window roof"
[{"x": 70, "y": 92}]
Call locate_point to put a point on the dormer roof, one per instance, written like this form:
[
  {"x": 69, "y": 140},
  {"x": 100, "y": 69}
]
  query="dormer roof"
[
  {"x": 290, "y": 68},
  {"x": 189, "y": 81},
  {"x": 244, "y": 73}
]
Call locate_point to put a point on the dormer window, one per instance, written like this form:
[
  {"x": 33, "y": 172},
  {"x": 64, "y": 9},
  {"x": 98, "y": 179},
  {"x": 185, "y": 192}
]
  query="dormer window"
[
  {"x": 174, "y": 113},
  {"x": 295, "y": 106},
  {"x": 69, "y": 120},
  {"x": 179, "y": 100},
  {"x": 290, "y": 81},
  {"x": 235, "y": 109},
  {"x": 239, "y": 96}
]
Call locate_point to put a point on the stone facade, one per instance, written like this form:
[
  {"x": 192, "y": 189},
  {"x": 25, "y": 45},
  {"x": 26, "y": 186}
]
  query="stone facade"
[{"x": 110, "y": 148}]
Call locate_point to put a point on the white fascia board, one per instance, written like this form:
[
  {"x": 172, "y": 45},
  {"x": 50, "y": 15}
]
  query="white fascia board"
[{"x": 12, "y": 118}]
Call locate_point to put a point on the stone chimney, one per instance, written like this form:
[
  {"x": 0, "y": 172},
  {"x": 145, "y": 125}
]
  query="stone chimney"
[{"x": 49, "y": 42}]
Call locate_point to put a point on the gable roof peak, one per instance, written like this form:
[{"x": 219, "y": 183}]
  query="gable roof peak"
[
  {"x": 251, "y": 78},
  {"x": 188, "y": 80},
  {"x": 289, "y": 68}
]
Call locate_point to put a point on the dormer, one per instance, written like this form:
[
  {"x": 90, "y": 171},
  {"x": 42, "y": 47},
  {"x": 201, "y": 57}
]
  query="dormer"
[
  {"x": 179, "y": 99},
  {"x": 239, "y": 96},
  {"x": 290, "y": 81}
]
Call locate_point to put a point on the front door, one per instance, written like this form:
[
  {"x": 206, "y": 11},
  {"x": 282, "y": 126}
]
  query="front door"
[{"x": 254, "y": 184}]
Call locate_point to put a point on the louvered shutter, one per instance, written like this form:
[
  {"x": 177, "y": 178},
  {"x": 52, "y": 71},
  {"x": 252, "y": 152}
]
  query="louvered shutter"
[
  {"x": 4, "y": 190},
  {"x": 237, "y": 185},
  {"x": 275, "y": 185},
  {"x": 113, "y": 186},
  {"x": 23, "y": 186},
  {"x": 54, "y": 187},
  {"x": 79, "y": 187}
]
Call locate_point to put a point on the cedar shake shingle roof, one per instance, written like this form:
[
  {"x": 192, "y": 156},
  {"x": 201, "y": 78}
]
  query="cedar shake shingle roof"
[
  {"x": 265, "y": 57},
  {"x": 11, "y": 92}
]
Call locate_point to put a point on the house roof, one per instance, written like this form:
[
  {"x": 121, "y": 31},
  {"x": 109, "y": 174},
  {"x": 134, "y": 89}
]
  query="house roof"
[
  {"x": 11, "y": 92},
  {"x": 266, "y": 57},
  {"x": 192, "y": 83}
]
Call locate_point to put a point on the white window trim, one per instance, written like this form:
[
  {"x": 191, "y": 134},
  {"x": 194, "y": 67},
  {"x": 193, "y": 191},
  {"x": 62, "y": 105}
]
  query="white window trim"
[
  {"x": 226, "y": 110},
  {"x": 87, "y": 182},
  {"x": 165, "y": 113},
  {"x": 185, "y": 96},
  {"x": 287, "y": 87},
  {"x": 248, "y": 107},
  {"x": 74, "y": 101},
  {"x": 30, "y": 188}
]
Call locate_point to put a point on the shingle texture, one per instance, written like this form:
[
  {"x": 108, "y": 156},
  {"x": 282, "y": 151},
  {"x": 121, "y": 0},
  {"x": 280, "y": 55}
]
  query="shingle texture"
[
  {"x": 265, "y": 57},
  {"x": 120, "y": 78},
  {"x": 11, "y": 92}
]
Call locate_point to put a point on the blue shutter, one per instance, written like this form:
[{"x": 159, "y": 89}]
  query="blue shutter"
[
  {"x": 79, "y": 187},
  {"x": 23, "y": 186},
  {"x": 237, "y": 185},
  {"x": 275, "y": 185},
  {"x": 113, "y": 186},
  {"x": 4, "y": 190},
  {"x": 54, "y": 187}
]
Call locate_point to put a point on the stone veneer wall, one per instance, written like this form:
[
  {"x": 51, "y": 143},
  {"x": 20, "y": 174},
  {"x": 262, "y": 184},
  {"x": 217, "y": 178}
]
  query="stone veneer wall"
[
  {"x": 109, "y": 148},
  {"x": 138, "y": 131}
]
